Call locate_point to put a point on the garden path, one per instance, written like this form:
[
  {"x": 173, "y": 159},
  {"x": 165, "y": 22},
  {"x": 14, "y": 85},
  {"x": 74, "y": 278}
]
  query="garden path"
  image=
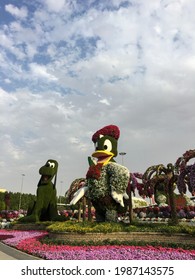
[{"x": 9, "y": 253}]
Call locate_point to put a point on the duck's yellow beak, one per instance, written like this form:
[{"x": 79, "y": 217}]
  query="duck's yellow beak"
[{"x": 103, "y": 156}]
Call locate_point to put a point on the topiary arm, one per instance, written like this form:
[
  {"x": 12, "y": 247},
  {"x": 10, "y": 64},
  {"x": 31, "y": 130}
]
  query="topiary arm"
[{"x": 78, "y": 195}]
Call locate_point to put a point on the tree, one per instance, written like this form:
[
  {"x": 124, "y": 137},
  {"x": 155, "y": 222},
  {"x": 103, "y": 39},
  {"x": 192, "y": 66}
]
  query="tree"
[
  {"x": 12, "y": 200},
  {"x": 164, "y": 177},
  {"x": 133, "y": 185},
  {"x": 186, "y": 173},
  {"x": 74, "y": 187},
  {"x": 7, "y": 200}
]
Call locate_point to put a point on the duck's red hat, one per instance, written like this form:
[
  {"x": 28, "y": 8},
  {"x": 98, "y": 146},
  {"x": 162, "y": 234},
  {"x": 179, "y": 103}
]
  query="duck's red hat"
[{"x": 109, "y": 130}]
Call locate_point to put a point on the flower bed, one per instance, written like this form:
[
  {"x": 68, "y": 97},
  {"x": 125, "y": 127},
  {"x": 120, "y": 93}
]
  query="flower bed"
[
  {"x": 146, "y": 213},
  {"x": 30, "y": 242},
  {"x": 164, "y": 212}
]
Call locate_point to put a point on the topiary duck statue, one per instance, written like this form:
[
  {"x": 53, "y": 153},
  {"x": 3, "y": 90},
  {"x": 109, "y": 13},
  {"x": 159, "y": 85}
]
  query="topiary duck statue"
[{"x": 106, "y": 180}]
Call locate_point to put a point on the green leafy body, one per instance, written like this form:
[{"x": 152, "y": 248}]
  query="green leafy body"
[{"x": 45, "y": 206}]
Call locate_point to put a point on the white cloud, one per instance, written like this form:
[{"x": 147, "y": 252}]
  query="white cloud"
[
  {"x": 5, "y": 40},
  {"x": 74, "y": 140},
  {"x": 12, "y": 151},
  {"x": 55, "y": 6},
  {"x": 40, "y": 71},
  {"x": 7, "y": 81},
  {"x": 21, "y": 13},
  {"x": 105, "y": 101},
  {"x": 66, "y": 72}
]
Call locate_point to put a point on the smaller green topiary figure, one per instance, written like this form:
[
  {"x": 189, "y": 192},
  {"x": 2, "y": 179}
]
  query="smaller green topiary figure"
[{"x": 45, "y": 206}]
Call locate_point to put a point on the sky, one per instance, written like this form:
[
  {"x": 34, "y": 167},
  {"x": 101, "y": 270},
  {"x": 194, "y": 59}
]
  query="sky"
[{"x": 70, "y": 67}]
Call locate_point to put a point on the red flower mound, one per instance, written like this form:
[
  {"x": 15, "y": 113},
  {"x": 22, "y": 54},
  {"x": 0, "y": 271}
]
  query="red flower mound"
[
  {"x": 94, "y": 171},
  {"x": 109, "y": 130}
]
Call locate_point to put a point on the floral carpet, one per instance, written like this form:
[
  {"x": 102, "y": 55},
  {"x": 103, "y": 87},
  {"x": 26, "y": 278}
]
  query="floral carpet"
[{"x": 29, "y": 242}]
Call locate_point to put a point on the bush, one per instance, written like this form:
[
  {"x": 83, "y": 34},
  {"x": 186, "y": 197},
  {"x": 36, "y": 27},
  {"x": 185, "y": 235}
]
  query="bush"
[
  {"x": 46, "y": 240},
  {"x": 90, "y": 227}
]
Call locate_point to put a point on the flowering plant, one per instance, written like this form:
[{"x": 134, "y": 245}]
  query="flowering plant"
[
  {"x": 94, "y": 171},
  {"x": 109, "y": 130},
  {"x": 186, "y": 173},
  {"x": 118, "y": 176},
  {"x": 30, "y": 242}
]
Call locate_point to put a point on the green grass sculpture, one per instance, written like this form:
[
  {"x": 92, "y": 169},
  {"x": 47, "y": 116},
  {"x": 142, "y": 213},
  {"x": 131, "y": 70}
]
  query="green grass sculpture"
[{"x": 45, "y": 206}]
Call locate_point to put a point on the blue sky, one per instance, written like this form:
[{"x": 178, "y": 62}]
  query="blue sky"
[{"x": 68, "y": 68}]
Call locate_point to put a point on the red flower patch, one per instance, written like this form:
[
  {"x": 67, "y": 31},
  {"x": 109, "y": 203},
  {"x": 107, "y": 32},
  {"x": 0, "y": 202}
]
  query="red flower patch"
[
  {"x": 94, "y": 171},
  {"x": 109, "y": 130}
]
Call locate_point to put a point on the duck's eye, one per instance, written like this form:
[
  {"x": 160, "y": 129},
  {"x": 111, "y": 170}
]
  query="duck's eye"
[
  {"x": 51, "y": 164},
  {"x": 107, "y": 146}
]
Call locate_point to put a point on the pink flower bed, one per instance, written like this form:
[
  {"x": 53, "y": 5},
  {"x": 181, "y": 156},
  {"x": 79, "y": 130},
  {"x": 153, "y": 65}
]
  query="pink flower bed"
[{"x": 29, "y": 242}]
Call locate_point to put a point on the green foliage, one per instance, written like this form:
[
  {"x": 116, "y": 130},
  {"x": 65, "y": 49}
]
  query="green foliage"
[
  {"x": 26, "y": 199},
  {"x": 44, "y": 207},
  {"x": 88, "y": 227},
  {"x": 47, "y": 240},
  {"x": 2, "y": 205},
  {"x": 84, "y": 227}
]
